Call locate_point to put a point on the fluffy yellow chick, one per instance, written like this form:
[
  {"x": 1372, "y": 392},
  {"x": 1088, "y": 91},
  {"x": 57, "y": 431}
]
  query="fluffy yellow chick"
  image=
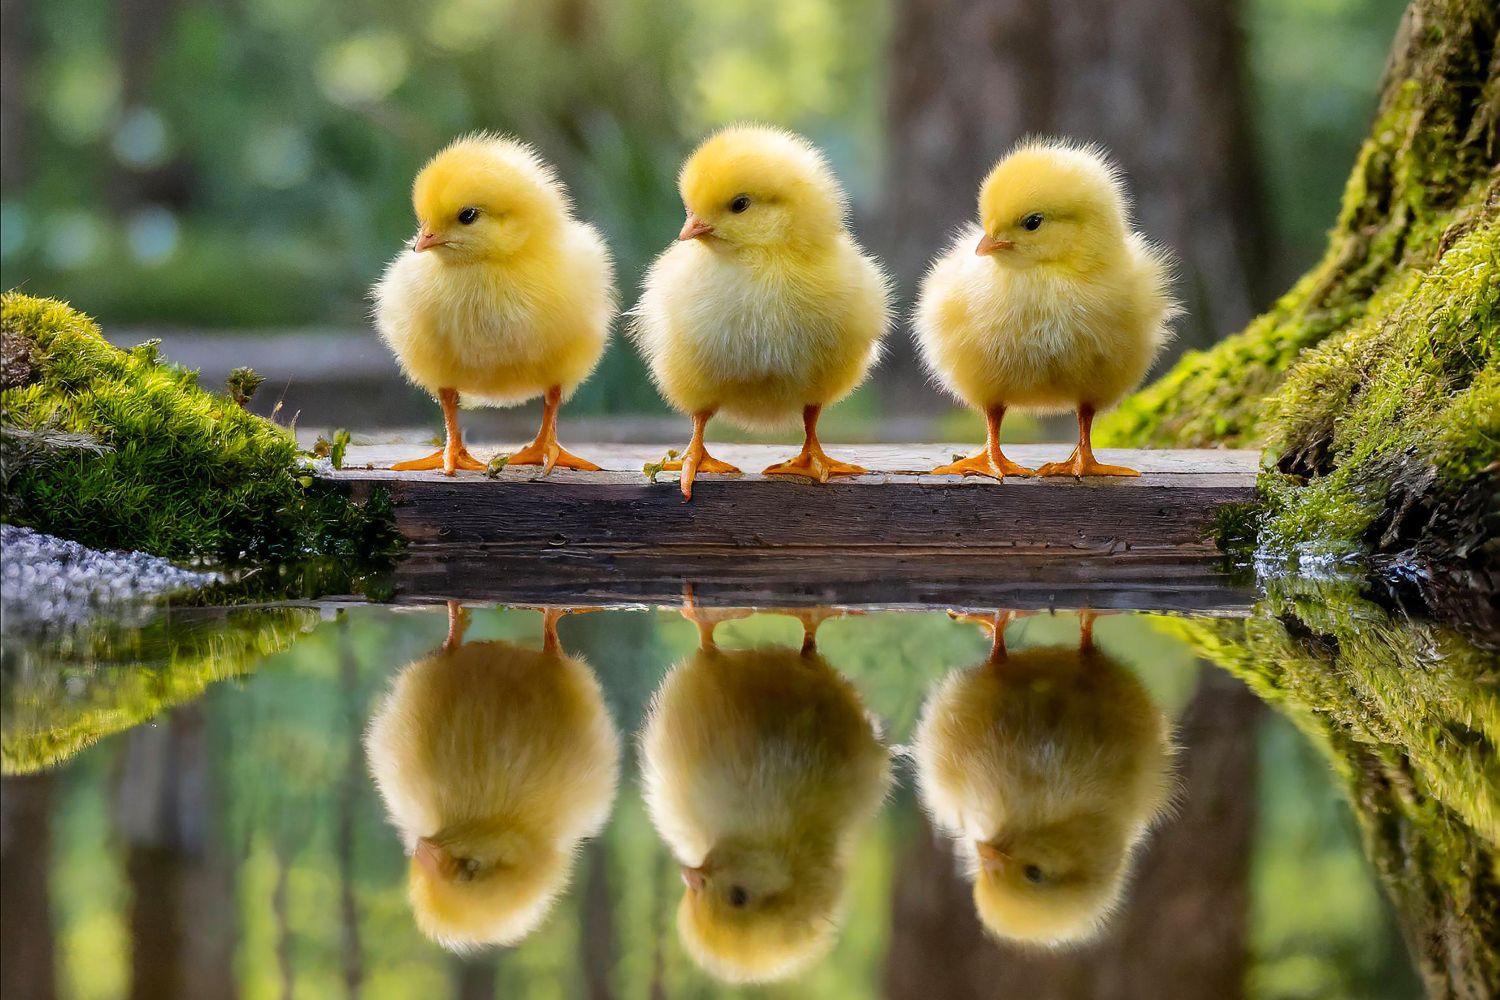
[
  {"x": 765, "y": 307},
  {"x": 503, "y": 296},
  {"x": 494, "y": 761},
  {"x": 1051, "y": 303},
  {"x": 760, "y": 768},
  {"x": 1047, "y": 767}
]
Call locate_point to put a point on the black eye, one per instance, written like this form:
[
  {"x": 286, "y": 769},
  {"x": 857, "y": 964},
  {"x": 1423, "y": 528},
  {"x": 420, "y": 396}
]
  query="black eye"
[
  {"x": 467, "y": 869},
  {"x": 1032, "y": 872},
  {"x": 738, "y": 897},
  {"x": 468, "y": 215},
  {"x": 1032, "y": 222},
  {"x": 740, "y": 203}
]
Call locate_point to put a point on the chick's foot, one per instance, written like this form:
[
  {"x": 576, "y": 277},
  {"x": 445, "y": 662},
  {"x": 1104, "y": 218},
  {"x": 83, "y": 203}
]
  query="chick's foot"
[
  {"x": 980, "y": 465},
  {"x": 550, "y": 455},
  {"x": 1079, "y": 466},
  {"x": 814, "y": 463},
  {"x": 461, "y": 460}
]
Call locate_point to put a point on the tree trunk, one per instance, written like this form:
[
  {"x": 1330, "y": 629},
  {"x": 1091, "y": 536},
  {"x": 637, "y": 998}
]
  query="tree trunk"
[
  {"x": 971, "y": 77},
  {"x": 1375, "y": 381},
  {"x": 1182, "y": 930},
  {"x": 27, "y": 971}
]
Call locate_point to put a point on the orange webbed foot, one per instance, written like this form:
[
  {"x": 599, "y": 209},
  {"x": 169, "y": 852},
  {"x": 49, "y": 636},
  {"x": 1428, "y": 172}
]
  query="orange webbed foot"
[
  {"x": 461, "y": 460},
  {"x": 980, "y": 465},
  {"x": 693, "y": 461},
  {"x": 550, "y": 455},
  {"x": 1078, "y": 467},
  {"x": 816, "y": 464}
]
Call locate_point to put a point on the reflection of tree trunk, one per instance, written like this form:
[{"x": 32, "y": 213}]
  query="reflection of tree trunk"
[
  {"x": 1182, "y": 931},
  {"x": 181, "y": 908},
  {"x": 26, "y": 962},
  {"x": 475, "y": 978},
  {"x": 598, "y": 938},
  {"x": 353, "y": 780},
  {"x": 14, "y": 46},
  {"x": 1159, "y": 82}
]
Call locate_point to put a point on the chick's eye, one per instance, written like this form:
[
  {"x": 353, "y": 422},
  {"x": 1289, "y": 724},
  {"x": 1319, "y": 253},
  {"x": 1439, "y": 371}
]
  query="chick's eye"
[
  {"x": 1033, "y": 874},
  {"x": 740, "y": 203},
  {"x": 467, "y": 869},
  {"x": 738, "y": 896},
  {"x": 468, "y": 215},
  {"x": 1032, "y": 222}
]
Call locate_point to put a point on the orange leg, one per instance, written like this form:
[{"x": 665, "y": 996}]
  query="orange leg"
[
  {"x": 813, "y": 462},
  {"x": 990, "y": 461},
  {"x": 696, "y": 458},
  {"x": 708, "y": 619},
  {"x": 458, "y": 623},
  {"x": 995, "y": 625},
  {"x": 544, "y": 449},
  {"x": 453, "y": 455},
  {"x": 1086, "y": 620},
  {"x": 1081, "y": 462}
]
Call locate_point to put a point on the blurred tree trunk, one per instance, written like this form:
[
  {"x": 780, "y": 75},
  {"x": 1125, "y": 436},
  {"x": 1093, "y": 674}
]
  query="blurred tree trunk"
[
  {"x": 14, "y": 46},
  {"x": 1159, "y": 82},
  {"x": 181, "y": 922},
  {"x": 26, "y": 950},
  {"x": 1182, "y": 930}
]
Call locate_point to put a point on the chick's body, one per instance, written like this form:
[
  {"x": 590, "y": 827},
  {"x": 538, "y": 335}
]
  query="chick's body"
[
  {"x": 760, "y": 767},
  {"x": 504, "y": 295},
  {"x": 1052, "y": 303},
  {"x": 765, "y": 308},
  {"x": 1047, "y": 767},
  {"x": 494, "y": 761}
]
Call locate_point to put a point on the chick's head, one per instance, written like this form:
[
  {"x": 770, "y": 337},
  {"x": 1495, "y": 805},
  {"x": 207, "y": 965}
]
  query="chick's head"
[
  {"x": 757, "y": 187},
  {"x": 757, "y": 914},
  {"x": 1049, "y": 202},
  {"x": 486, "y": 197},
  {"x": 483, "y": 883},
  {"x": 1052, "y": 885}
]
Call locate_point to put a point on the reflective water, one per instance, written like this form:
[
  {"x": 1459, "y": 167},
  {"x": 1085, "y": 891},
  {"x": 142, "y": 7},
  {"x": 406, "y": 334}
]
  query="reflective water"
[{"x": 371, "y": 801}]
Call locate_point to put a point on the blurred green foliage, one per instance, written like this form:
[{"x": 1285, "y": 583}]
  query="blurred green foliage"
[{"x": 248, "y": 164}]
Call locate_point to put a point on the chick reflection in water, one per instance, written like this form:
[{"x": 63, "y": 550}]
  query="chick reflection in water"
[
  {"x": 1047, "y": 766},
  {"x": 494, "y": 761},
  {"x": 760, "y": 769}
]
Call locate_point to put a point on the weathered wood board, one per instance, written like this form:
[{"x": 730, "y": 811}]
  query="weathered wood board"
[{"x": 900, "y": 508}]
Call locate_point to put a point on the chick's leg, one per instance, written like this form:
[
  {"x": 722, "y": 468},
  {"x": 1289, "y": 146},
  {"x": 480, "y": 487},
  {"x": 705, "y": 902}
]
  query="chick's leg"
[
  {"x": 813, "y": 462},
  {"x": 1081, "y": 462},
  {"x": 696, "y": 458},
  {"x": 544, "y": 450},
  {"x": 453, "y": 455},
  {"x": 990, "y": 461}
]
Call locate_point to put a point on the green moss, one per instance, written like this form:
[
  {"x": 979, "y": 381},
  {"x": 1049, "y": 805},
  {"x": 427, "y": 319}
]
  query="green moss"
[
  {"x": 1373, "y": 381},
  {"x": 1408, "y": 713},
  {"x": 64, "y": 695},
  {"x": 186, "y": 473}
]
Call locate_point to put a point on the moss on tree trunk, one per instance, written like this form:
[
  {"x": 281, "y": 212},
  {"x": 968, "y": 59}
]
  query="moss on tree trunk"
[{"x": 1375, "y": 382}]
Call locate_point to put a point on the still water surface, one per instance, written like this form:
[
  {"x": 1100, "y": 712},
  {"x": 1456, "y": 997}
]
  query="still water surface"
[{"x": 425, "y": 802}]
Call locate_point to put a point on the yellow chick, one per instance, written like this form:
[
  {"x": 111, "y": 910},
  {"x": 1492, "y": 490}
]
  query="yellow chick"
[
  {"x": 494, "y": 761},
  {"x": 1047, "y": 767},
  {"x": 760, "y": 768},
  {"x": 765, "y": 307},
  {"x": 503, "y": 296},
  {"x": 1051, "y": 303}
]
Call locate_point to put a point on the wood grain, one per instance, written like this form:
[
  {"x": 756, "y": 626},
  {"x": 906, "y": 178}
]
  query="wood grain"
[{"x": 1171, "y": 506}]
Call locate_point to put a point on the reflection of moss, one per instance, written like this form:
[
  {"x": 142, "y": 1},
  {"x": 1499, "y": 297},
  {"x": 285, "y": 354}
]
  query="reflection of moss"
[
  {"x": 1409, "y": 714},
  {"x": 1375, "y": 381},
  {"x": 55, "y": 704},
  {"x": 186, "y": 473}
]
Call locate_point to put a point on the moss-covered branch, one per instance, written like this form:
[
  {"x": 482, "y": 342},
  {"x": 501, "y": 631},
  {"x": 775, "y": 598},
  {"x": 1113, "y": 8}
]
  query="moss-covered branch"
[
  {"x": 1375, "y": 382},
  {"x": 176, "y": 470}
]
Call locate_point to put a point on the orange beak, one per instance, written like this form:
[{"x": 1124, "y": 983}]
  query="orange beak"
[
  {"x": 694, "y": 228},
  {"x": 991, "y": 858},
  {"x": 988, "y": 246},
  {"x": 694, "y": 878},
  {"x": 431, "y": 857},
  {"x": 426, "y": 240}
]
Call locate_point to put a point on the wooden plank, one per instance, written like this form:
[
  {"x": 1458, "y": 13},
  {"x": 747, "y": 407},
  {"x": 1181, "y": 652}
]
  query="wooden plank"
[{"x": 1172, "y": 505}]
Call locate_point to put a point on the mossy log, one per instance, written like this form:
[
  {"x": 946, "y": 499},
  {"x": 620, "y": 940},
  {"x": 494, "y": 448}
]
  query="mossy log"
[
  {"x": 1408, "y": 713},
  {"x": 1374, "y": 383}
]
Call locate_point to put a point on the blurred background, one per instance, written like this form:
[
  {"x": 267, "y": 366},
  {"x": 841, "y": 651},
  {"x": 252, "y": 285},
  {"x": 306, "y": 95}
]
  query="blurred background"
[{"x": 231, "y": 175}]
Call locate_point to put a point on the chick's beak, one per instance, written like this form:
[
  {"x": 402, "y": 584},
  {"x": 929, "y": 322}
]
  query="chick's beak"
[
  {"x": 694, "y": 228},
  {"x": 991, "y": 858},
  {"x": 432, "y": 858},
  {"x": 694, "y": 878},
  {"x": 426, "y": 240},
  {"x": 988, "y": 245}
]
